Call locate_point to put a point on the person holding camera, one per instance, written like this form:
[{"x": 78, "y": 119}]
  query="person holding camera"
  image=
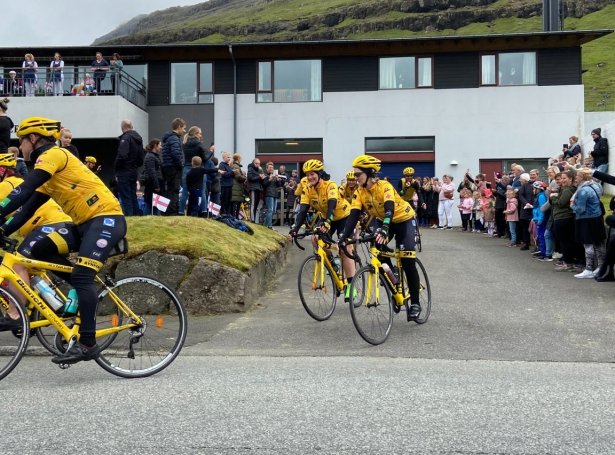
[{"x": 271, "y": 184}]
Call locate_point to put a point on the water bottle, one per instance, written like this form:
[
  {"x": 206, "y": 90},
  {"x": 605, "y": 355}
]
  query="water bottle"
[
  {"x": 337, "y": 264},
  {"x": 72, "y": 303},
  {"x": 389, "y": 273},
  {"x": 46, "y": 293}
]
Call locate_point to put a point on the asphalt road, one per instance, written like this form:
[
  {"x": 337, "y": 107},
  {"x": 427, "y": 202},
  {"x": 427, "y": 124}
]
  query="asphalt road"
[{"x": 515, "y": 359}]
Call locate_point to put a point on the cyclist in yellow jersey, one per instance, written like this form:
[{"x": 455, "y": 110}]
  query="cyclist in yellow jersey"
[
  {"x": 98, "y": 218},
  {"x": 348, "y": 188},
  {"x": 48, "y": 221},
  {"x": 408, "y": 187},
  {"x": 323, "y": 196},
  {"x": 379, "y": 199}
]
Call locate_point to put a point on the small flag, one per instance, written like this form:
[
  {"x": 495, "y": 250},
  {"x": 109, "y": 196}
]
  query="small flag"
[
  {"x": 214, "y": 208},
  {"x": 160, "y": 202}
]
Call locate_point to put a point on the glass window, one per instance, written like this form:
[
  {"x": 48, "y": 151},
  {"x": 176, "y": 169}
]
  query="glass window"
[
  {"x": 517, "y": 68},
  {"x": 289, "y": 146},
  {"x": 405, "y": 72},
  {"x": 424, "y": 72},
  {"x": 183, "y": 83},
  {"x": 293, "y": 81},
  {"x": 399, "y": 144},
  {"x": 397, "y": 72},
  {"x": 138, "y": 72},
  {"x": 488, "y": 63}
]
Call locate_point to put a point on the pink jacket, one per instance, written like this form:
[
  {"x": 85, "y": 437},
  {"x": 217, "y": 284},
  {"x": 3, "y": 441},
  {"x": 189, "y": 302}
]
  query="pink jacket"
[
  {"x": 511, "y": 209},
  {"x": 466, "y": 205}
]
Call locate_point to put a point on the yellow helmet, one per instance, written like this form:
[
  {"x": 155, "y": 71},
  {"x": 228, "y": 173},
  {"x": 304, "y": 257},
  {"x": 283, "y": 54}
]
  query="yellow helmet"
[
  {"x": 367, "y": 162},
  {"x": 313, "y": 166},
  {"x": 409, "y": 170},
  {"x": 350, "y": 176},
  {"x": 39, "y": 125},
  {"x": 90, "y": 159},
  {"x": 7, "y": 160}
]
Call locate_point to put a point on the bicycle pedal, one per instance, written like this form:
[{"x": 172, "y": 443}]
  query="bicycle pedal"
[
  {"x": 64, "y": 366},
  {"x": 396, "y": 308}
]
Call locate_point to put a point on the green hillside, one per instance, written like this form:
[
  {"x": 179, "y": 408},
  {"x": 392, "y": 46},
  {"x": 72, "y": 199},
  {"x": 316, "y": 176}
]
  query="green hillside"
[{"x": 221, "y": 21}]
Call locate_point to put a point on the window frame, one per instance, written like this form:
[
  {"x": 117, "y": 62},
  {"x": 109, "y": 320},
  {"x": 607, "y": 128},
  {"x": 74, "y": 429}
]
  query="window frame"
[
  {"x": 416, "y": 71},
  {"x": 498, "y": 82},
  {"x": 272, "y": 88},
  {"x": 197, "y": 88}
]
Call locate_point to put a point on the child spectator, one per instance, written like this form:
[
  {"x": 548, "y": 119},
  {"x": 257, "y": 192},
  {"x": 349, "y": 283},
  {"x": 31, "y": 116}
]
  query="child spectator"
[
  {"x": 539, "y": 218},
  {"x": 194, "y": 183},
  {"x": 465, "y": 206},
  {"x": 477, "y": 212},
  {"x": 489, "y": 212},
  {"x": 512, "y": 216},
  {"x": 88, "y": 84},
  {"x": 66, "y": 137}
]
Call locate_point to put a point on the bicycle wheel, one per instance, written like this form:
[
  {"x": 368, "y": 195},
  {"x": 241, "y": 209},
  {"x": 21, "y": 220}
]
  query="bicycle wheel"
[
  {"x": 317, "y": 297},
  {"x": 47, "y": 336},
  {"x": 150, "y": 347},
  {"x": 417, "y": 242},
  {"x": 13, "y": 342},
  {"x": 373, "y": 318},
  {"x": 424, "y": 293}
]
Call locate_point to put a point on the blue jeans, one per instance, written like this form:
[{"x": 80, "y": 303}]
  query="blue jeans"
[
  {"x": 512, "y": 225},
  {"x": 540, "y": 238},
  {"x": 184, "y": 191},
  {"x": 127, "y": 191},
  {"x": 270, "y": 203},
  {"x": 548, "y": 242}
]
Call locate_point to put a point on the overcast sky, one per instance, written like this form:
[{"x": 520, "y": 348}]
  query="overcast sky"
[{"x": 70, "y": 22}]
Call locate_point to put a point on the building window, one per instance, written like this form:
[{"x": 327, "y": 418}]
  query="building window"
[
  {"x": 289, "y": 81},
  {"x": 510, "y": 68},
  {"x": 288, "y": 147},
  {"x": 406, "y": 72},
  {"x": 418, "y": 144},
  {"x": 192, "y": 83}
]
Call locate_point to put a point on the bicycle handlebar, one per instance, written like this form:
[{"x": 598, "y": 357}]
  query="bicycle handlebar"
[
  {"x": 8, "y": 244},
  {"x": 322, "y": 235}
]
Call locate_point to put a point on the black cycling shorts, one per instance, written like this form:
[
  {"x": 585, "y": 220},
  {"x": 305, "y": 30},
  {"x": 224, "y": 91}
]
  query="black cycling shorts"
[
  {"x": 98, "y": 237},
  {"x": 404, "y": 233},
  {"x": 338, "y": 227},
  {"x": 63, "y": 235}
]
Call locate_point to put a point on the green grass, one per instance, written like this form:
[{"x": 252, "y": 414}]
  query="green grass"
[{"x": 201, "y": 238}]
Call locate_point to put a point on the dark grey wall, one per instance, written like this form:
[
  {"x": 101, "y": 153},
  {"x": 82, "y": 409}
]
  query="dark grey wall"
[
  {"x": 559, "y": 66},
  {"x": 456, "y": 70},
  {"x": 201, "y": 115}
]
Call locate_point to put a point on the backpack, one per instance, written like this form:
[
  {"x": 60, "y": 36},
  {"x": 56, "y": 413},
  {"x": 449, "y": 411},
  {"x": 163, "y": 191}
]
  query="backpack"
[{"x": 233, "y": 222}]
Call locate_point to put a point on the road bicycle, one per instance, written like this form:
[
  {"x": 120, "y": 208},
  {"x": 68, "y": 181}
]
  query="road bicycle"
[
  {"x": 321, "y": 277},
  {"x": 141, "y": 323},
  {"x": 382, "y": 293},
  {"x": 244, "y": 210}
]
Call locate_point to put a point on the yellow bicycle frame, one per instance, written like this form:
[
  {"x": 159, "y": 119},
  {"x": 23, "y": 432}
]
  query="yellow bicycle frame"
[
  {"x": 35, "y": 267},
  {"x": 319, "y": 270},
  {"x": 399, "y": 290}
]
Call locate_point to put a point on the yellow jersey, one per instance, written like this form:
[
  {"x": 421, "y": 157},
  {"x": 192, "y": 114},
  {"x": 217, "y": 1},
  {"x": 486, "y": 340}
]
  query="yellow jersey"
[
  {"x": 407, "y": 192},
  {"x": 318, "y": 198},
  {"x": 347, "y": 192},
  {"x": 302, "y": 184},
  {"x": 80, "y": 193},
  {"x": 372, "y": 201},
  {"x": 48, "y": 213}
]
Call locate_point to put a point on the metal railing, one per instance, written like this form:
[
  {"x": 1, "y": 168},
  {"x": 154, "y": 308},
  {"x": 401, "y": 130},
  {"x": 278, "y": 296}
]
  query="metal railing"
[{"x": 71, "y": 81}]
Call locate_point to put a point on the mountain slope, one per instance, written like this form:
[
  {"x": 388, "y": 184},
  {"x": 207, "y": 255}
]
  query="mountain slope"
[{"x": 219, "y": 21}]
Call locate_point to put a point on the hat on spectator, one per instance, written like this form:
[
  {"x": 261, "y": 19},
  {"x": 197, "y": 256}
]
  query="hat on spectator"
[
  {"x": 90, "y": 159},
  {"x": 597, "y": 131}
]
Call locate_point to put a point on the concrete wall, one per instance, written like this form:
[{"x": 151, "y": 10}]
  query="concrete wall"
[
  {"x": 468, "y": 124},
  {"x": 86, "y": 116}
]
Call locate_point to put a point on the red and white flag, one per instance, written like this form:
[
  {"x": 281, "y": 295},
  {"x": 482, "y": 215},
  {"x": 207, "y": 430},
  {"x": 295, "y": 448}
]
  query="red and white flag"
[
  {"x": 160, "y": 202},
  {"x": 214, "y": 208}
]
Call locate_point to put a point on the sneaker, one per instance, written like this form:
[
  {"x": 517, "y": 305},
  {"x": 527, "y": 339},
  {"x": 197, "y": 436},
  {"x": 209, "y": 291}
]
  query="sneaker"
[
  {"x": 77, "y": 353},
  {"x": 434, "y": 226},
  {"x": 546, "y": 259},
  {"x": 537, "y": 253},
  {"x": 557, "y": 255},
  {"x": 347, "y": 293},
  {"x": 8, "y": 323},
  {"x": 585, "y": 274},
  {"x": 596, "y": 271},
  {"x": 441, "y": 227},
  {"x": 577, "y": 268},
  {"x": 563, "y": 268},
  {"x": 413, "y": 313},
  {"x": 449, "y": 228}
]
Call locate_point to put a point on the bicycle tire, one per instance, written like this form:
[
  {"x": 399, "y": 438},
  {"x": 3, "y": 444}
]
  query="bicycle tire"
[
  {"x": 373, "y": 320},
  {"x": 13, "y": 343},
  {"x": 148, "y": 349},
  {"x": 418, "y": 243},
  {"x": 318, "y": 302},
  {"x": 424, "y": 294}
]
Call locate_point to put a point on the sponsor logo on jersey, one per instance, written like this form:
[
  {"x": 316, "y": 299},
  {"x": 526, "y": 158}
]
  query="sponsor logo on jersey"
[
  {"x": 5, "y": 202},
  {"x": 101, "y": 243},
  {"x": 108, "y": 222},
  {"x": 92, "y": 200},
  {"x": 63, "y": 231},
  {"x": 106, "y": 234},
  {"x": 47, "y": 229}
]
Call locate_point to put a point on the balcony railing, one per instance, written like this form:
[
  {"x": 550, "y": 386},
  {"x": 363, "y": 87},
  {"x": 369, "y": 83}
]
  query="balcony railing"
[{"x": 72, "y": 81}]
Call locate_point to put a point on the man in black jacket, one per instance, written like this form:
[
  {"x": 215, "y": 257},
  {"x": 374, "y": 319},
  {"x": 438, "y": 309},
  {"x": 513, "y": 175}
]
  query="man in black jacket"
[
  {"x": 256, "y": 175},
  {"x": 600, "y": 154},
  {"x": 129, "y": 158}
]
